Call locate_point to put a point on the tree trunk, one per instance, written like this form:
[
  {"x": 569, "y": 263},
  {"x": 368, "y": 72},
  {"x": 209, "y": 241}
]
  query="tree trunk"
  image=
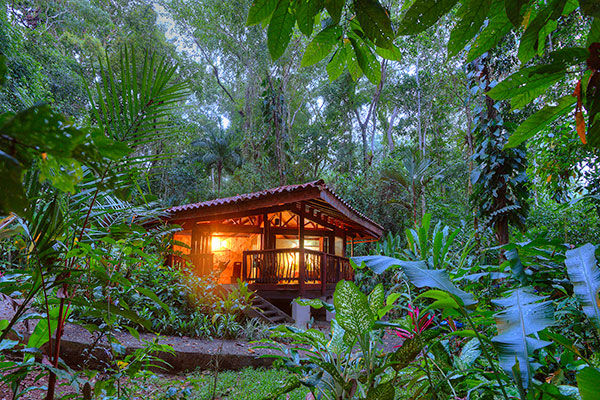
[
  {"x": 501, "y": 228},
  {"x": 470, "y": 151},
  {"x": 374, "y": 103},
  {"x": 390, "y": 139},
  {"x": 219, "y": 174},
  {"x": 363, "y": 135},
  {"x": 420, "y": 131}
]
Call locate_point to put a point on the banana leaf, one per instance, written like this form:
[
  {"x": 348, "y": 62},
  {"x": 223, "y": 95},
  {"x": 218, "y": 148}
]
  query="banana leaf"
[
  {"x": 523, "y": 316},
  {"x": 585, "y": 277}
]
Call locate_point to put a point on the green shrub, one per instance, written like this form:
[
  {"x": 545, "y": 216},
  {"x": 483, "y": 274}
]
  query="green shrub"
[
  {"x": 574, "y": 224},
  {"x": 197, "y": 306}
]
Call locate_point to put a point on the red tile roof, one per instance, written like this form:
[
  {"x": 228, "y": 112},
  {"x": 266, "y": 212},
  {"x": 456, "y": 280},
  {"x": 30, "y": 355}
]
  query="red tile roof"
[
  {"x": 319, "y": 184},
  {"x": 248, "y": 196}
]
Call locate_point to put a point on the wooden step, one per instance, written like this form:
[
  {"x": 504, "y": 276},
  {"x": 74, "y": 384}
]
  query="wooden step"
[{"x": 263, "y": 309}]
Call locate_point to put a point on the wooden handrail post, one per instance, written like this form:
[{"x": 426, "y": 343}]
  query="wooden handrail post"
[
  {"x": 244, "y": 266},
  {"x": 302, "y": 261},
  {"x": 302, "y": 272},
  {"x": 324, "y": 261}
]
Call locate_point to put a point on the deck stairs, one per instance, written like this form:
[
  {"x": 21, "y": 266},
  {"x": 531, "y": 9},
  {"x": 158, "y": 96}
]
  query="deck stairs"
[{"x": 263, "y": 309}]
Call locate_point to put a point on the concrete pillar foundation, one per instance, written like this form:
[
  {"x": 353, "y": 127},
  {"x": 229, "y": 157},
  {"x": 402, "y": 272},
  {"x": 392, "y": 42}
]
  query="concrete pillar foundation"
[{"x": 301, "y": 315}]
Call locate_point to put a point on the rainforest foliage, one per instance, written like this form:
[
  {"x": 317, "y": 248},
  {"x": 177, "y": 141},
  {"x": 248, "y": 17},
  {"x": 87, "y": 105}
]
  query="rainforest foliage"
[{"x": 469, "y": 129}]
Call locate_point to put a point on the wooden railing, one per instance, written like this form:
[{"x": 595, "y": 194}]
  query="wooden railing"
[{"x": 302, "y": 267}]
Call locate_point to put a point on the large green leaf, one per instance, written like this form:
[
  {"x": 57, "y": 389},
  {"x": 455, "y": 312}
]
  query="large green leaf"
[
  {"x": 516, "y": 266},
  {"x": 376, "y": 298},
  {"x": 321, "y": 45},
  {"x": 351, "y": 61},
  {"x": 383, "y": 391},
  {"x": 514, "y": 11},
  {"x": 40, "y": 134},
  {"x": 352, "y": 309},
  {"x": 594, "y": 35},
  {"x": 40, "y": 335},
  {"x": 306, "y": 11},
  {"x": 443, "y": 300},
  {"x": 524, "y": 86},
  {"x": 538, "y": 121},
  {"x": 497, "y": 27},
  {"x": 335, "y": 67},
  {"x": 588, "y": 381},
  {"x": 523, "y": 315},
  {"x": 375, "y": 22},
  {"x": 367, "y": 61},
  {"x": 334, "y": 7},
  {"x": 471, "y": 16},
  {"x": 392, "y": 54},
  {"x": 585, "y": 277},
  {"x": 260, "y": 11},
  {"x": 280, "y": 29},
  {"x": 418, "y": 274},
  {"x": 379, "y": 264},
  {"x": 422, "y": 14},
  {"x": 389, "y": 304},
  {"x": 529, "y": 83},
  {"x": 438, "y": 279},
  {"x": 528, "y": 45}
]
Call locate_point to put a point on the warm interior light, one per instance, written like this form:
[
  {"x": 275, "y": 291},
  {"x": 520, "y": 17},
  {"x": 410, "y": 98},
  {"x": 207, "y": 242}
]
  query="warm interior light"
[{"x": 218, "y": 244}]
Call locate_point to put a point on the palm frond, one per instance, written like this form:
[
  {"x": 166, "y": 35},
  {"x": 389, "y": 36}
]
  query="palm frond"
[
  {"x": 133, "y": 106},
  {"x": 585, "y": 277},
  {"x": 523, "y": 316}
]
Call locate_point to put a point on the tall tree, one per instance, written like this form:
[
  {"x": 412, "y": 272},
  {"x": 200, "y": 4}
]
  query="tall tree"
[
  {"x": 499, "y": 179},
  {"x": 219, "y": 152}
]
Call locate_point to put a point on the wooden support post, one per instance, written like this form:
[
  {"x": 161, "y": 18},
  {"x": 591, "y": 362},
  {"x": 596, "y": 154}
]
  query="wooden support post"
[
  {"x": 302, "y": 261},
  {"x": 331, "y": 244},
  {"x": 323, "y": 273},
  {"x": 196, "y": 249},
  {"x": 266, "y": 232},
  {"x": 244, "y": 266}
]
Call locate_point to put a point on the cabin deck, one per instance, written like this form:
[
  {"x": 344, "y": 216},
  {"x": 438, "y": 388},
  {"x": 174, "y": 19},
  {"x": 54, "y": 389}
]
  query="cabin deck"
[{"x": 289, "y": 273}]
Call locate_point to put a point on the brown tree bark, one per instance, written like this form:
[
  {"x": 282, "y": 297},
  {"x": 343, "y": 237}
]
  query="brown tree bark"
[{"x": 501, "y": 226}]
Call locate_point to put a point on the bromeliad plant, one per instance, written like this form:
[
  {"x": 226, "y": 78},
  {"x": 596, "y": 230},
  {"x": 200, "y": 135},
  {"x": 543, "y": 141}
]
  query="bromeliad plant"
[{"x": 418, "y": 323}]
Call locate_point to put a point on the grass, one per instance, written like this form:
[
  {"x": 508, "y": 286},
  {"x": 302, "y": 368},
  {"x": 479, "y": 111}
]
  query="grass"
[{"x": 247, "y": 384}]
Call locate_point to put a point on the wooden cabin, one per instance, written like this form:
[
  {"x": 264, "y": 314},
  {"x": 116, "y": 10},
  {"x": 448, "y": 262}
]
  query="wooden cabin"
[{"x": 286, "y": 242}]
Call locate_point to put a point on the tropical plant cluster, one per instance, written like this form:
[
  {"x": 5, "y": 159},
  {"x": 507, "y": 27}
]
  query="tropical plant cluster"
[
  {"x": 181, "y": 304},
  {"x": 526, "y": 328}
]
